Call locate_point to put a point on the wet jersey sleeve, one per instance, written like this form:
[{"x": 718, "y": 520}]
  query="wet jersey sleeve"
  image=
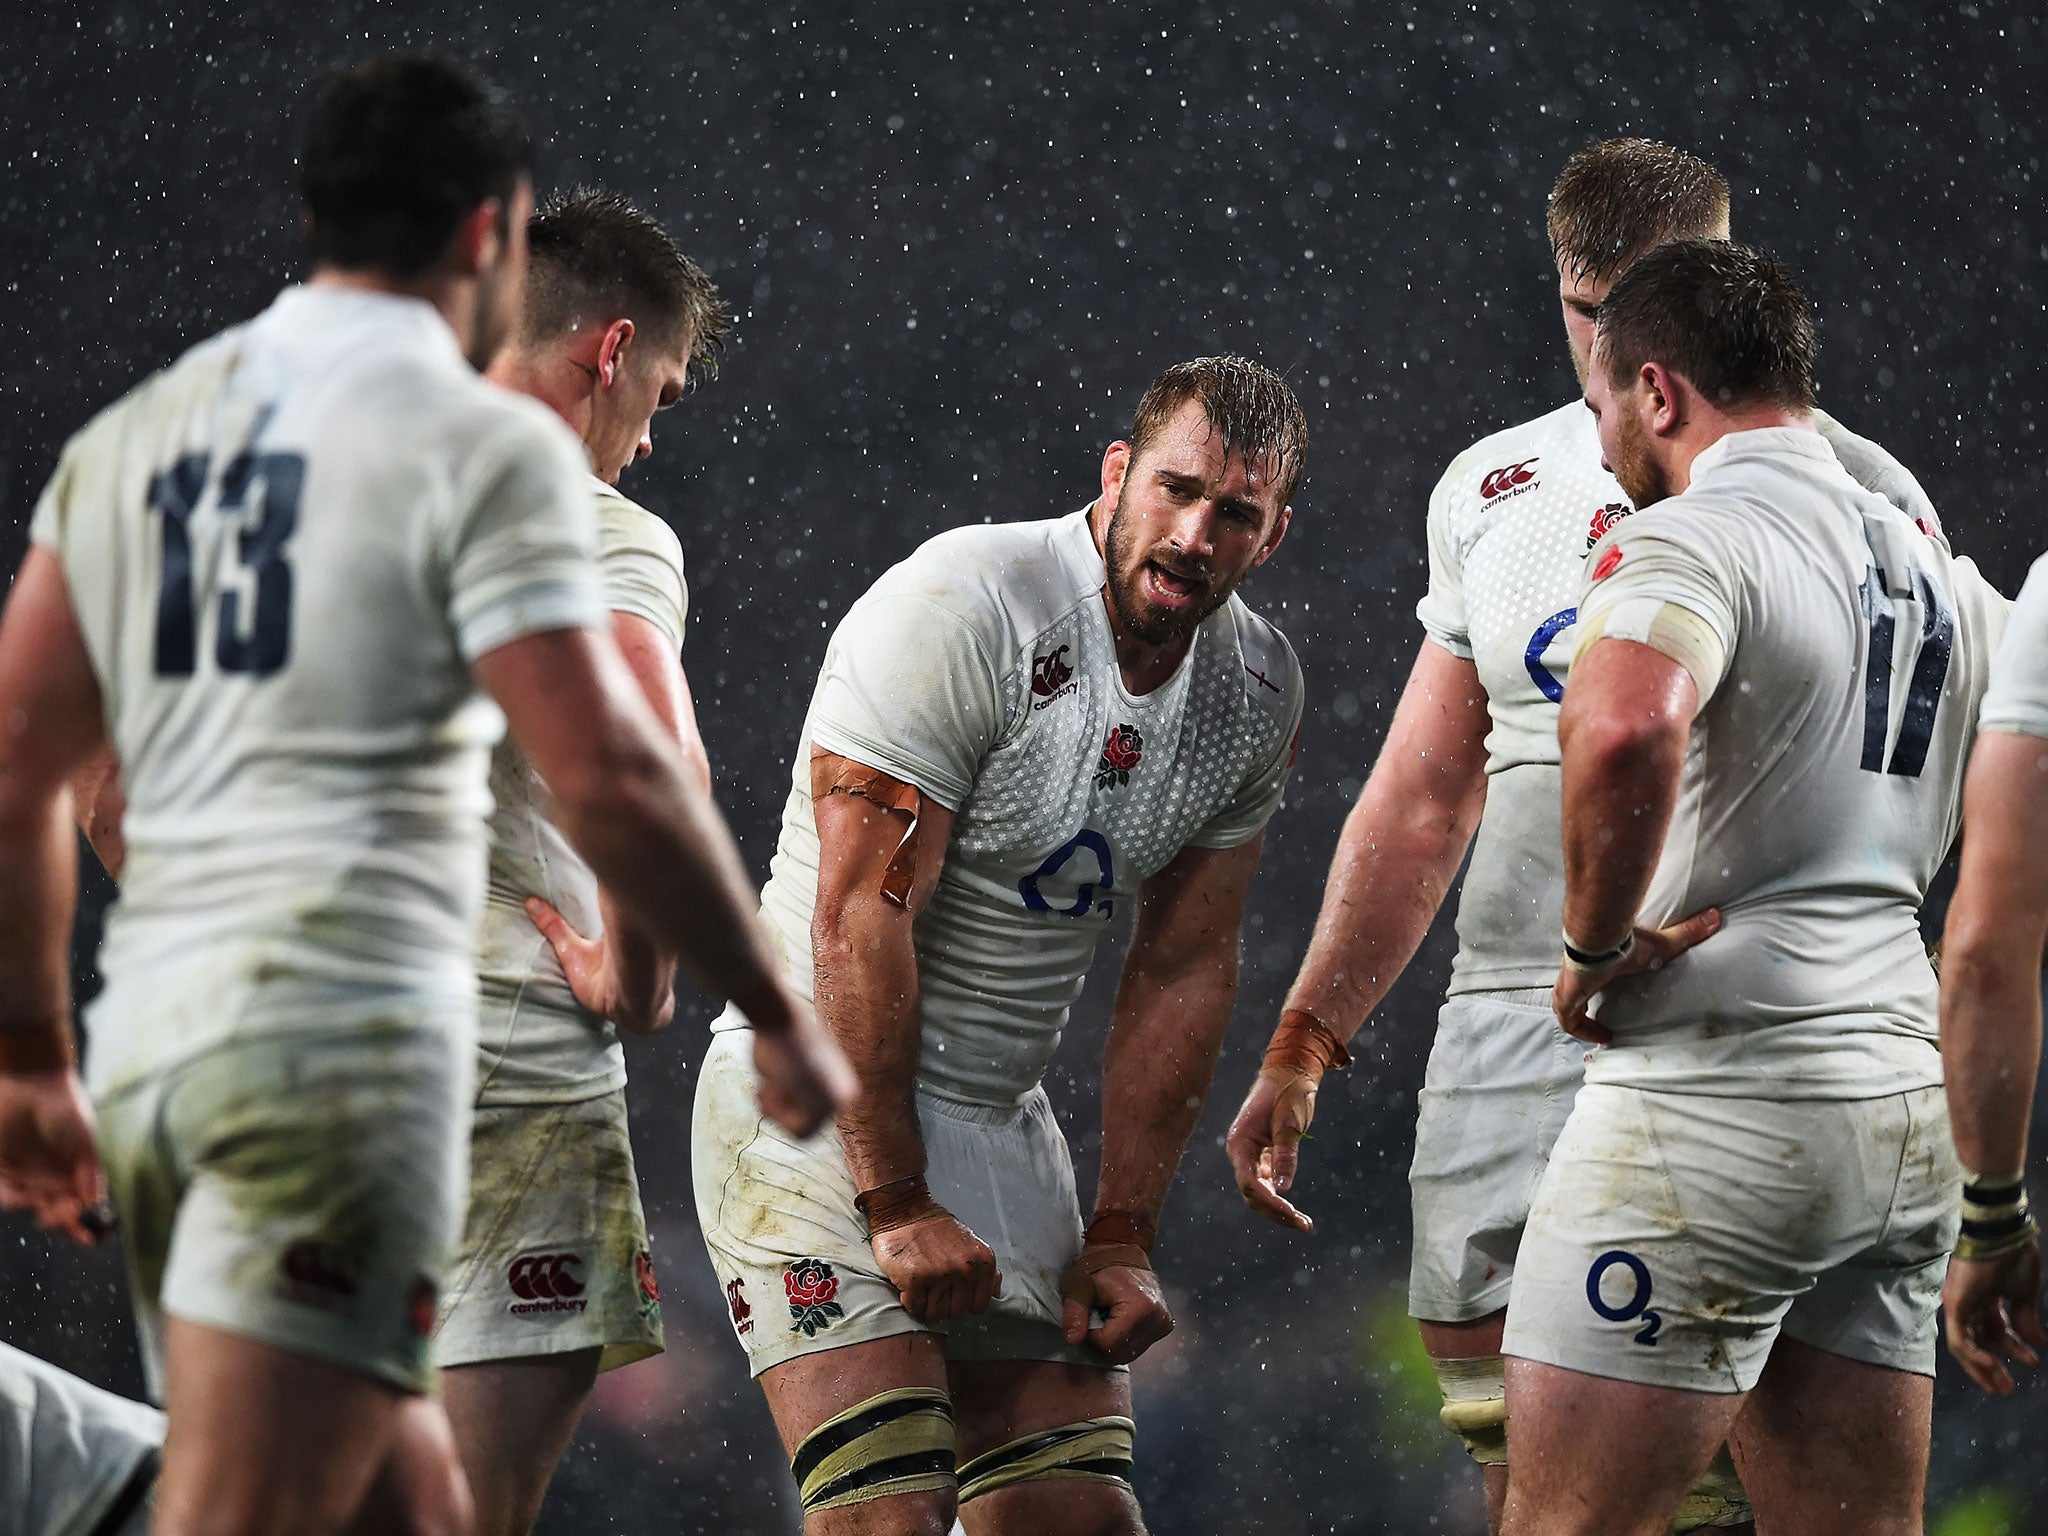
[
  {"x": 2017, "y": 697},
  {"x": 640, "y": 562},
  {"x": 1442, "y": 609},
  {"x": 1655, "y": 561},
  {"x": 908, "y": 687},
  {"x": 1269, "y": 759},
  {"x": 523, "y": 545}
]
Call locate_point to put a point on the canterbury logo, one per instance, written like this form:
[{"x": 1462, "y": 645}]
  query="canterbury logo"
[
  {"x": 1507, "y": 479},
  {"x": 546, "y": 1276}
]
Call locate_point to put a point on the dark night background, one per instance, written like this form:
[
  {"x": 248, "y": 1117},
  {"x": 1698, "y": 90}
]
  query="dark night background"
[{"x": 960, "y": 241}]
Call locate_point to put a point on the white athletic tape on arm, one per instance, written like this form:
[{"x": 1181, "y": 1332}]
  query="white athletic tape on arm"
[{"x": 1667, "y": 629}]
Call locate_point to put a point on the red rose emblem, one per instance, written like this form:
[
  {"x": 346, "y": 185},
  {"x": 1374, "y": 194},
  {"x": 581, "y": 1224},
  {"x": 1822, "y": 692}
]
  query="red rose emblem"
[
  {"x": 643, "y": 1275},
  {"x": 810, "y": 1283},
  {"x": 1124, "y": 748},
  {"x": 811, "y": 1287}
]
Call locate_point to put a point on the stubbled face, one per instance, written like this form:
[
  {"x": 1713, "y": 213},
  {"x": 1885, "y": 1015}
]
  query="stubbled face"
[
  {"x": 650, "y": 378},
  {"x": 1188, "y": 525},
  {"x": 501, "y": 287},
  {"x": 1624, "y": 440}
]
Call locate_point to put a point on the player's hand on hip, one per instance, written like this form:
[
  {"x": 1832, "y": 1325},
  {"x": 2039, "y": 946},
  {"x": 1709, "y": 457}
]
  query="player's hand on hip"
[
  {"x": 1135, "y": 1315},
  {"x": 940, "y": 1269},
  {"x": 1653, "y": 949},
  {"x": 49, "y": 1166},
  {"x": 1992, "y": 1308},
  {"x": 583, "y": 960},
  {"x": 802, "y": 1076},
  {"x": 1265, "y": 1139}
]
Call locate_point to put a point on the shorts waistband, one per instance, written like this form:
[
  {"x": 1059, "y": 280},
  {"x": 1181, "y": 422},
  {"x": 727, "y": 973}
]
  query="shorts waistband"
[
  {"x": 981, "y": 1114},
  {"x": 1507, "y": 997}
]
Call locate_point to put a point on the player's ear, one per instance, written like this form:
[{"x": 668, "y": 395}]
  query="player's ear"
[
  {"x": 479, "y": 242},
  {"x": 611, "y": 349},
  {"x": 1659, "y": 387},
  {"x": 1116, "y": 459},
  {"x": 1273, "y": 539}
]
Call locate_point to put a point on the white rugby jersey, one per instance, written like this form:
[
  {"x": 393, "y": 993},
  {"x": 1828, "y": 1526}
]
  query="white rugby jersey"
[
  {"x": 983, "y": 670},
  {"x": 2017, "y": 698},
  {"x": 68, "y": 1450},
  {"x": 1822, "y": 783},
  {"x": 535, "y": 1043},
  {"x": 1510, "y": 524},
  {"x": 284, "y": 551}
]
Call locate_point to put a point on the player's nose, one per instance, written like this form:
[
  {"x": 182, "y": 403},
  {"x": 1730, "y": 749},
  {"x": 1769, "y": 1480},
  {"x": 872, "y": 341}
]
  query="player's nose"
[{"x": 645, "y": 446}]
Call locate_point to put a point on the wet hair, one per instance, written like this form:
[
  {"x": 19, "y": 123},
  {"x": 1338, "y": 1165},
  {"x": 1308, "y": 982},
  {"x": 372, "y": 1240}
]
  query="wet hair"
[
  {"x": 398, "y": 150},
  {"x": 1247, "y": 402},
  {"x": 595, "y": 257},
  {"x": 1615, "y": 199},
  {"x": 1727, "y": 317}
]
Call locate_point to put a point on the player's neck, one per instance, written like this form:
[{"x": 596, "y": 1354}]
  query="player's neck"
[{"x": 451, "y": 297}]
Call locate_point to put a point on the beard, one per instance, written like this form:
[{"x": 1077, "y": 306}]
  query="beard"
[
  {"x": 1641, "y": 478},
  {"x": 1141, "y": 618}
]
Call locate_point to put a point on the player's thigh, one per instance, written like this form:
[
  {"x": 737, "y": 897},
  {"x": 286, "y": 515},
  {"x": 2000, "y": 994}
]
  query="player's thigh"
[
  {"x": 263, "y": 1439},
  {"x": 869, "y": 1444},
  {"x": 1044, "y": 1446},
  {"x": 1827, "y": 1443},
  {"x": 512, "y": 1420},
  {"x": 1593, "y": 1455}
]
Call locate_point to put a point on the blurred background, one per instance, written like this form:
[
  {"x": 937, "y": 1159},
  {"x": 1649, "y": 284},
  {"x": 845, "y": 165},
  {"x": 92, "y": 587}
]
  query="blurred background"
[{"x": 960, "y": 240}]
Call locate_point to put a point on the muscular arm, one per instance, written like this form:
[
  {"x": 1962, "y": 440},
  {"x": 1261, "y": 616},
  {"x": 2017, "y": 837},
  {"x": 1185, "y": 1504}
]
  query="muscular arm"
[
  {"x": 1627, "y": 714},
  {"x": 865, "y": 976},
  {"x": 1991, "y": 953},
  {"x": 1401, "y": 845},
  {"x": 1399, "y": 853},
  {"x": 1172, "y": 1005},
  {"x": 50, "y": 725}
]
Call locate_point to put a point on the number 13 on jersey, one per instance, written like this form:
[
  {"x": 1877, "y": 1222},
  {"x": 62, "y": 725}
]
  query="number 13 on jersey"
[{"x": 253, "y": 639}]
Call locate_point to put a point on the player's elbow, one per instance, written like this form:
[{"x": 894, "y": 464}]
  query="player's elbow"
[{"x": 1605, "y": 737}]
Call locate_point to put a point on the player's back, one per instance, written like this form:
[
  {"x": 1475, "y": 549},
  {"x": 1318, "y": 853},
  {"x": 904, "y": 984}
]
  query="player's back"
[
  {"x": 1822, "y": 787},
  {"x": 283, "y": 551}
]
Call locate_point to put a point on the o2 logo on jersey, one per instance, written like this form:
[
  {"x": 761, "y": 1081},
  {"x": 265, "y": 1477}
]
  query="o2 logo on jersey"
[
  {"x": 1638, "y": 1303},
  {"x": 1084, "y": 894},
  {"x": 252, "y": 633},
  {"x": 1532, "y": 658}
]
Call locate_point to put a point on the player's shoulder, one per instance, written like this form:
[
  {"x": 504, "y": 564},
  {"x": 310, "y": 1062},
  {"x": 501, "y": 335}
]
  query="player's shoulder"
[
  {"x": 1271, "y": 672},
  {"x": 1513, "y": 462},
  {"x": 623, "y": 524},
  {"x": 172, "y": 390},
  {"x": 1874, "y": 468},
  {"x": 1012, "y": 580}
]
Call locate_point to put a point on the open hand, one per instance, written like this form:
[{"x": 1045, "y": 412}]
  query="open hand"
[
  {"x": 1991, "y": 1308},
  {"x": 1264, "y": 1142},
  {"x": 1575, "y": 990},
  {"x": 49, "y": 1166}
]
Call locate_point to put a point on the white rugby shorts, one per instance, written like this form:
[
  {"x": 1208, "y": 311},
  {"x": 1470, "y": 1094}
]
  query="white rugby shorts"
[
  {"x": 302, "y": 1189},
  {"x": 554, "y": 1253},
  {"x": 1676, "y": 1235},
  {"x": 792, "y": 1253},
  {"x": 1500, "y": 1082}
]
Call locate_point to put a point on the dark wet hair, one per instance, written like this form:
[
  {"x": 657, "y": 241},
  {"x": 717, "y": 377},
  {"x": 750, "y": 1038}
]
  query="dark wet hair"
[
  {"x": 596, "y": 257},
  {"x": 1247, "y": 402},
  {"x": 1615, "y": 199},
  {"x": 398, "y": 150},
  {"x": 1727, "y": 317}
]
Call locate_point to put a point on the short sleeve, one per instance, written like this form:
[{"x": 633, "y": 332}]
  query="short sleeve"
[
  {"x": 1442, "y": 609},
  {"x": 908, "y": 687},
  {"x": 640, "y": 562},
  {"x": 2017, "y": 697},
  {"x": 1260, "y": 792},
  {"x": 522, "y": 555},
  {"x": 46, "y": 525},
  {"x": 1647, "y": 563}
]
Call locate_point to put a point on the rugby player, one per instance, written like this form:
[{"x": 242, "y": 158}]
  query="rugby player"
[
  {"x": 75, "y": 1460},
  {"x": 554, "y": 1281},
  {"x": 1747, "y": 1216},
  {"x": 1473, "y": 744},
  {"x": 1019, "y": 731},
  {"x": 1991, "y": 1006},
  {"x": 272, "y": 578}
]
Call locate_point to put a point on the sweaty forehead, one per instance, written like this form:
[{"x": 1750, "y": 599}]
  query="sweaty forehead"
[{"x": 1190, "y": 444}]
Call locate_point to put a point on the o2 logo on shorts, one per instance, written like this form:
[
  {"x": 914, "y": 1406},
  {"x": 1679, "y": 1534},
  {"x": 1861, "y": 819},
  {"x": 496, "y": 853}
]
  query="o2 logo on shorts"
[
  {"x": 1084, "y": 895},
  {"x": 1638, "y": 1303},
  {"x": 1546, "y": 683}
]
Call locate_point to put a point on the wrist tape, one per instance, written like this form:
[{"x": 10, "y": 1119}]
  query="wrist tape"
[
  {"x": 1996, "y": 1220},
  {"x": 1304, "y": 1044},
  {"x": 901, "y": 1202}
]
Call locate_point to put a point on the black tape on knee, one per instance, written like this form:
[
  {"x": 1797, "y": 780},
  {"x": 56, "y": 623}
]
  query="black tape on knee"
[
  {"x": 1096, "y": 1449},
  {"x": 899, "y": 1441}
]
